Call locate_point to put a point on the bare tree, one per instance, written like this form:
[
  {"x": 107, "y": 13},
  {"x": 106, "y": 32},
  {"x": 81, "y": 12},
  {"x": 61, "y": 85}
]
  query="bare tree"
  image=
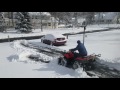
[
  {"x": 41, "y": 21},
  {"x": 63, "y": 16},
  {"x": 89, "y": 17},
  {"x": 2, "y": 22},
  {"x": 118, "y": 16}
]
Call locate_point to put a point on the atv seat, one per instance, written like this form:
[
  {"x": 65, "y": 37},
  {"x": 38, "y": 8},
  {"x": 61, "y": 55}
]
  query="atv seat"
[
  {"x": 84, "y": 56},
  {"x": 81, "y": 58}
]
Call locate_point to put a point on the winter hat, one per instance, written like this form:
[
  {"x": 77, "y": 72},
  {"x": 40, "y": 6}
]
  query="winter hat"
[{"x": 78, "y": 41}]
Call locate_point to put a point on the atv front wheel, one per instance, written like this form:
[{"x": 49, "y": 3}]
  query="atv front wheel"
[
  {"x": 75, "y": 65},
  {"x": 62, "y": 61}
]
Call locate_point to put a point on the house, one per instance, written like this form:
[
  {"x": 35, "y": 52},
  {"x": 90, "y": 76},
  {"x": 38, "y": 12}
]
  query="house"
[
  {"x": 47, "y": 20},
  {"x": 81, "y": 21},
  {"x": 105, "y": 17}
]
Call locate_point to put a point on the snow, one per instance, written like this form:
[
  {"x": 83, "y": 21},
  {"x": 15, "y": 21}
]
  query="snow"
[
  {"x": 105, "y": 43},
  {"x": 25, "y": 69},
  {"x": 58, "y": 35},
  {"x": 53, "y": 36},
  {"x": 14, "y": 62},
  {"x": 12, "y": 33}
]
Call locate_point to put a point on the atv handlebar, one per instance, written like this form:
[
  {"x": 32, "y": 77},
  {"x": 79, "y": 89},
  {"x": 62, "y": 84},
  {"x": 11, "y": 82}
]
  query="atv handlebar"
[{"x": 99, "y": 55}]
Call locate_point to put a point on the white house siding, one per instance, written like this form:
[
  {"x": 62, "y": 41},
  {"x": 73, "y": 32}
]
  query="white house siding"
[
  {"x": 45, "y": 23},
  {"x": 108, "y": 17}
]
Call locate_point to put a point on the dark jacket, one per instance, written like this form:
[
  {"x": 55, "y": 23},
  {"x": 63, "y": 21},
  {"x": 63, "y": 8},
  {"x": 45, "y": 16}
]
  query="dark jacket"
[{"x": 81, "y": 48}]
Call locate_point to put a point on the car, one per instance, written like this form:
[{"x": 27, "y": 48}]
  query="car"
[{"x": 54, "y": 39}]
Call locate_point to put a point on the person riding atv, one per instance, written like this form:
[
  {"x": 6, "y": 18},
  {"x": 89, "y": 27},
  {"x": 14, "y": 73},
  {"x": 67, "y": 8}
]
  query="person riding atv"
[
  {"x": 75, "y": 60},
  {"x": 81, "y": 49},
  {"x": 82, "y": 52}
]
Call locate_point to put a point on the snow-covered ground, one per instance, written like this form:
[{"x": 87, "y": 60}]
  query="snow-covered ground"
[
  {"x": 11, "y": 33},
  {"x": 14, "y": 62},
  {"x": 103, "y": 25}
]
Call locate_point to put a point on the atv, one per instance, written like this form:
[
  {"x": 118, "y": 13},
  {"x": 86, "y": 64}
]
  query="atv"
[{"x": 69, "y": 59}]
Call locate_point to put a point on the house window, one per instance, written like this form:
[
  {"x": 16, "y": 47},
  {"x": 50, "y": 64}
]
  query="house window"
[
  {"x": 44, "y": 24},
  {"x": 102, "y": 20},
  {"x": 49, "y": 24},
  {"x": 109, "y": 20}
]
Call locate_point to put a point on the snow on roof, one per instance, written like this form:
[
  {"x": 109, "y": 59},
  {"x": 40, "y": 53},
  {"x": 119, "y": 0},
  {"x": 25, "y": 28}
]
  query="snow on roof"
[
  {"x": 53, "y": 36},
  {"x": 58, "y": 35},
  {"x": 36, "y": 13}
]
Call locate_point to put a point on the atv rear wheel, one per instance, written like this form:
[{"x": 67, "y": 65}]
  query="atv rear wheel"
[{"x": 89, "y": 67}]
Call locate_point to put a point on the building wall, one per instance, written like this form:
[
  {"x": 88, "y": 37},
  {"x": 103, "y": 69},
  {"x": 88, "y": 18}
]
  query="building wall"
[
  {"x": 105, "y": 18},
  {"x": 50, "y": 23}
]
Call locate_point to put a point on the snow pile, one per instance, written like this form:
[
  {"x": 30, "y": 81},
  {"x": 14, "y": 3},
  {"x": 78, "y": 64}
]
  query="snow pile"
[
  {"x": 81, "y": 74},
  {"x": 24, "y": 52},
  {"x": 63, "y": 72},
  {"x": 23, "y": 56}
]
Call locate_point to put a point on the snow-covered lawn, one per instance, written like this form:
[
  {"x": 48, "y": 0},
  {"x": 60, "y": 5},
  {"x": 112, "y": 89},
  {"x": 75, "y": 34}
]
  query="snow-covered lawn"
[
  {"x": 12, "y": 33},
  {"x": 14, "y": 62}
]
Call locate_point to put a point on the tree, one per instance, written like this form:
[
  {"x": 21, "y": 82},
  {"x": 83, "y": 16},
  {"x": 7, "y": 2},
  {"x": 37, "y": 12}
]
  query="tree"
[
  {"x": 65, "y": 17},
  {"x": 89, "y": 17},
  {"x": 2, "y": 22},
  {"x": 23, "y": 23},
  {"x": 41, "y": 23},
  {"x": 118, "y": 16}
]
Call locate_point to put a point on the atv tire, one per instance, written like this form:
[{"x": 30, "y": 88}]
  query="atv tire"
[
  {"x": 89, "y": 67},
  {"x": 62, "y": 61},
  {"x": 75, "y": 65}
]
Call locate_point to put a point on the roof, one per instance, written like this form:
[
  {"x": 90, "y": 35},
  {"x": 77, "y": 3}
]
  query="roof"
[{"x": 38, "y": 13}]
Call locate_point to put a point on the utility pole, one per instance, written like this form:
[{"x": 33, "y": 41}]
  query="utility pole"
[
  {"x": 98, "y": 18},
  {"x": 12, "y": 15},
  {"x": 117, "y": 17},
  {"x": 84, "y": 34},
  {"x": 9, "y": 18},
  {"x": 41, "y": 21}
]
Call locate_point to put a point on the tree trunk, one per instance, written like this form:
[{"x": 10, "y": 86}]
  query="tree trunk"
[
  {"x": 99, "y": 19},
  {"x": 41, "y": 21}
]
